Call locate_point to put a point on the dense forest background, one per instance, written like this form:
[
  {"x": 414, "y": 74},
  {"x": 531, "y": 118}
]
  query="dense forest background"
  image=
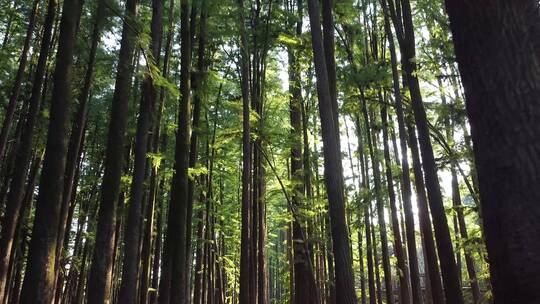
[{"x": 269, "y": 151}]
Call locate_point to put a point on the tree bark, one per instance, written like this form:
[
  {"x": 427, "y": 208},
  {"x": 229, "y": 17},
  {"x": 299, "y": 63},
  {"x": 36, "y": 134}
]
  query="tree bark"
[
  {"x": 246, "y": 234},
  {"x": 99, "y": 282},
  {"x": 452, "y": 289},
  {"x": 501, "y": 89},
  {"x": 344, "y": 279},
  {"x": 173, "y": 278},
  {"x": 24, "y": 151},
  {"x": 39, "y": 281}
]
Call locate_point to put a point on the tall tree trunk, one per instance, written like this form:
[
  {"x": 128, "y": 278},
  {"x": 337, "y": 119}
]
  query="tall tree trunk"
[
  {"x": 153, "y": 297},
  {"x": 132, "y": 244},
  {"x": 406, "y": 190},
  {"x": 198, "y": 86},
  {"x": 173, "y": 279},
  {"x": 24, "y": 151},
  {"x": 18, "y": 251},
  {"x": 99, "y": 282},
  {"x": 398, "y": 245},
  {"x": 501, "y": 88},
  {"x": 452, "y": 288},
  {"x": 246, "y": 234},
  {"x": 370, "y": 122},
  {"x": 304, "y": 278},
  {"x": 77, "y": 134},
  {"x": 344, "y": 279},
  {"x": 39, "y": 281},
  {"x": 460, "y": 228},
  {"x": 430, "y": 254}
]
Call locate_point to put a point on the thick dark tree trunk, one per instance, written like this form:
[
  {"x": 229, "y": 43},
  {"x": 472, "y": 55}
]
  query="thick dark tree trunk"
[
  {"x": 76, "y": 140},
  {"x": 40, "y": 278},
  {"x": 501, "y": 88},
  {"x": 344, "y": 279},
  {"x": 99, "y": 282}
]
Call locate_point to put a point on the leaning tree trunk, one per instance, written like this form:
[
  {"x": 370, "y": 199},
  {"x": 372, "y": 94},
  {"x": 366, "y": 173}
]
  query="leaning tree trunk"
[
  {"x": 99, "y": 282},
  {"x": 452, "y": 287},
  {"x": 430, "y": 254},
  {"x": 76, "y": 140},
  {"x": 16, "y": 88},
  {"x": 40, "y": 278},
  {"x": 24, "y": 152},
  {"x": 405, "y": 174},
  {"x": 134, "y": 226},
  {"x": 502, "y": 89}
]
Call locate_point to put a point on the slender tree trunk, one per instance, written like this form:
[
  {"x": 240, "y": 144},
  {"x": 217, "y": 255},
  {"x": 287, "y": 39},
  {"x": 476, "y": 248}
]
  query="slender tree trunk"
[
  {"x": 370, "y": 121},
  {"x": 405, "y": 177},
  {"x": 198, "y": 86},
  {"x": 21, "y": 234},
  {"x": 173, "y": 278},
  {"x": 99, "y": 282},
  {"x": 16, "y": 88},
  {"x": 430, "y": 254},
  {"x": 132, "y": 244},
  {"x": 153, "y": 297},
  {"x": 398, "y": 245},
  {"x": 197, "y": 289},
  {"x": 246, "y": 234},
  {"x": 304, "y": 278},
  {"x": 452, "y": 289},
  {"x": 344, "y": 279}
]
